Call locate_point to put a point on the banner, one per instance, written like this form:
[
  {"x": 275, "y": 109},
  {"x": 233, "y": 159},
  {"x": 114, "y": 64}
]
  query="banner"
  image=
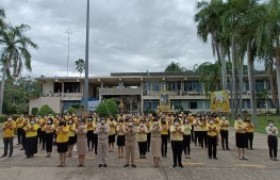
[
  {"x": 92, "y": 103},
  {"x": 220, "y": 101},
  {"x": 164, "y": 102}
]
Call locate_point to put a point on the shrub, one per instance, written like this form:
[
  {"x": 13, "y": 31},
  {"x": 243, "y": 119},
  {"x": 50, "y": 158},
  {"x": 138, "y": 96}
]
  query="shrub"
[
  {"x": 22, "y": 108},
  {"x": 45, "y": 110},
  {"x": 76, "y": 106},
  {"x": 70, "y": 110},
  {"x": 34, "y": 110},
  {"x": 112, "y": 107},
  {"x": 103, "y": 110},
  {"x": 3, "y": 118}
]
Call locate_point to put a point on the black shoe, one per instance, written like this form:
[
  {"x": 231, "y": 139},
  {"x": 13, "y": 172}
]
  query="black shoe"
[
  {"x": 125, "y": 166},
  {"x": 181, "y": 166},
  {"x": 105, "y": 165},
  {"x": 223, "y": 149},
  {"x": 228, "y": 149},
  {"x": 4, "y": 155},
  {"x": 133, "y": 165},
  {"x": 215, "y": 158},
  {"x": 174, "y": 166},
  {"x": 210, "y": 157},
  {"x": 100, "y": 165},
  {"x": 22, "y": 149},
  {"x": 10, "y": 155},
  {"x": 252, "y": 149},
  {"x": 244, "y": 159}
]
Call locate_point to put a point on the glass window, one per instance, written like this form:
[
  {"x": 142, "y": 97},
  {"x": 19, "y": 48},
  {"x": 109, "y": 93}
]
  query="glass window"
[
  {"x": 259, "y": 85},
  {"x": 207, "y": 105},
  {"x": 261, "y": 104},
  {"x": 57, "y": 87},
  {"x": 152, "y": 86},
  {"x": 172, "y": 86},
  {"x": 151, "y": 104},
  {"x": 177, "y": 104},
  {"x": 72, "y": 87},
  {"x": 192, "y": 86}
]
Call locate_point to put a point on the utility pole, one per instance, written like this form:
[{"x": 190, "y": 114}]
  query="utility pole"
[
  {"x": 69, "y": 32},
  {"x": 86, "y": 58}
]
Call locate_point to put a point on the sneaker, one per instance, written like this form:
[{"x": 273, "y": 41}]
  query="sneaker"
[
  {"x": 100, "y": 165},
  {"x": 275, "y": 159},
  {"x": 244, "y": 158},
  {"x": 125, "y": 166},
  {"x": 22, "y": 149},
  {"x": 215, "y": 158},
  {"x": 4, "y": 155},
  {"x": 174, "y": 166},
  {"x": 133, "y": 165},
  {"x": 228, "y": 149},
  {"x": 105, "y": 165},
  {"x": 181, "y": 166}
]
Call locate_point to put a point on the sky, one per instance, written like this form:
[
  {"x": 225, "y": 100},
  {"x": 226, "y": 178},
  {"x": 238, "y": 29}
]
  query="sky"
[{"x": 125, "y": 35}]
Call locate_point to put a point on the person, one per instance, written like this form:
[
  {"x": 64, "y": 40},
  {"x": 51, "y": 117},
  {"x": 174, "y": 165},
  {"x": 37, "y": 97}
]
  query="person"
[
  {"x": 31, "y": 140},
  {"x": 130, "y": 141},
  {"x": 103, "y": 134},
  {"x": 212, "y": 133},
  {"x": 217, "y": 123},
  {"x": 148, "y": 125},
  {"x": 249, "y": 133},
  {"x": 95, "y": 134},
  {"x": 187, "y": 138},
  {"x": 42, "y": 123},
  {"x": 62, "y": 141},
  {"x": 224, "y": 124},
  {"x": 8, "y": 136},
  {"x": 142, "y": 139},
  {"x": 196, "y": 129},
  {"x": 121, "y": 138},
  {"x": 272, "y": 140},
  {"x": 20, "y": 132},
  {"x": 240, "y": 135},
  {"x": 90, "y": 128},
  {"x": 177, "y": 132},
  {"x": 81, "y": 132},
  {"x": 156, "y": 141},
  {"x": 72, "y": 136},
  {"x": 49, "y": 128},
  {"x": 112, "y": 134},
  {"x": 191, "y": 120},
  {"x": 202, "y": 137},
  {"x": 164, "y": 138}
]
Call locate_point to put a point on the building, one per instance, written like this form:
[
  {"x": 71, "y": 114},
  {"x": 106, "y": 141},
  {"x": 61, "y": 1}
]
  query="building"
[{"x": 137, "y": 92}]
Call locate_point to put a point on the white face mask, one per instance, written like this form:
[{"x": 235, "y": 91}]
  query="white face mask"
[
  {"x": 130, "y": 124},
  {"x": 49, "y": 122},
  {"x": 156, "y": 123},
  {"x": 186, "y": 121},
  {"x": 10, "y": 119},
  {"x": 224, "y": 118},
  {"x": 102, "y": 122},
  {"x": 271, "y": 124},
  {"x": 176, "y": 123},
  {"x": 211, "y": 122},
  {"x": 32, "y": 122}
]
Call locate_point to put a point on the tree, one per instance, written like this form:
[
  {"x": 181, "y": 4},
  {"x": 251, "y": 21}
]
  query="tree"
[
  {"x": 15, "y": 54},
  {"x": 103, "y": 110},
  {"x": 173, "y": 67},
  {"x": 80, "y": 66},
  {"x": 112, "y": 107},
  {"x": 45, "y": 110}
]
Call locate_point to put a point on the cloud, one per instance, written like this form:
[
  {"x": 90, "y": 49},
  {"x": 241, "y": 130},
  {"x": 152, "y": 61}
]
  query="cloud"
[{"x": 126, "y": 35}]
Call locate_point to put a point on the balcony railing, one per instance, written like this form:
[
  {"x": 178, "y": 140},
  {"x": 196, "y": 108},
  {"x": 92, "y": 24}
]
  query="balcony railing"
[{"x": 120, "y": 91}]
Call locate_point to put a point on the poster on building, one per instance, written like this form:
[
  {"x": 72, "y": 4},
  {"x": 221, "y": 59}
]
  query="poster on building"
[
  {"x": 92, "y": 103},
  {"x": 164, "y": 103},
  {"x": 220, "y": 101}
]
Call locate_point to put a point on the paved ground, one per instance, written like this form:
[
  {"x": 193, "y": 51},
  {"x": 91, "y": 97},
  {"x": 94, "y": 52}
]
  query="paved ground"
[{"x": 199, "y": 167}]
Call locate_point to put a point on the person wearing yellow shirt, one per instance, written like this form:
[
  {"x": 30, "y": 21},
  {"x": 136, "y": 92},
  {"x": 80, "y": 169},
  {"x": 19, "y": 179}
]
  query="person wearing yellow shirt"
[
  {"x": 177, "y": 131},
  {"x": 187, "y": 138},
  {"x": 217, "y": 123},
  {"x": 121, "y": 138},
  {"x": 156, "y": 141},
  {"x": 212, "y": 133},
  {"x": 196, "y": 128},
  {"x": 241, "y": 139},
  {"x": 191, "y": 121},
  {"x": 62, "y": 141},
  {"x": 249, "y": 133},
  {"x": 142, "y": 139},
  {"x": 164, "y": 137},
  {"x": 148, "y": 124},
  {"x": 90, "y": 128},
  {"x": 72, "y": 136},
  {"x": 202, "y": 138},
  {"x": 224, "y": 125},
  {"x": 49, "y": 128},
  {"x": 20, "y": 131},
  {"x": 8, "y": 136},
  {"x": 42, "y": 124},
  {"x": 31, "y": 140},
  {"x": 112, "y": 133},
  {"x": 81, "y": 141}
]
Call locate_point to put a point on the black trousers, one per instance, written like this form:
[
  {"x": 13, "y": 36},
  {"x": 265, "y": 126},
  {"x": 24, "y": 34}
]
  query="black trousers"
[
  {"x": 192, "y": 133},
  {"x": 8, "y": 144},
  {"x": 49, "y": 141},
  {"x": 43, "y": 136},
  {"x": 20, "y": 132},
  {"x": 148, "y": 141},
  {"x": 187, "y": 144},
  {"x": 31, "y": 146},
  {"x": 272, "y": 142},
  {"x": 164, "y": 139},
  {"x": 177, "y": 147},
  {"x": 95, "y": 142},
  {"x": 204, "y": 139},
  {"x": 196, "y": 135},
  {"x": 23, "y": 139},
  {"x": 224, "y": 138},
  {"x": 250, "y": 138},
  {"x": 90, "y": 139},
  {"x": 212, "y": 146},
  {"x": 142, "y": 148},
  {"x": 39, "y": 132}
]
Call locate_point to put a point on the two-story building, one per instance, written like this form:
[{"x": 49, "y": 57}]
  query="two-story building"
[{"x": 136, "y": 92}]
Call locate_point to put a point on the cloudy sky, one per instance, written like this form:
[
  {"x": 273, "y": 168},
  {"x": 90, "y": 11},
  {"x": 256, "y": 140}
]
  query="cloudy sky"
[{"x": 126, "y": 35}]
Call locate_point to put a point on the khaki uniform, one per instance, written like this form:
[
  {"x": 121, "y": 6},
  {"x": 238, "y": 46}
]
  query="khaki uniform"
[
  {"x": 130, "y": 141},
  {"x": 102, "y": 142}
]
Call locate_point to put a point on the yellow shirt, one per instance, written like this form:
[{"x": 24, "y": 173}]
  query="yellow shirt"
[
  {"x": 49, "y": 128},
  {"x": 112, "y": 128},
  {"x": 10, "y": 131},
  {"x": 19, "y": 122},
  {"x": 191, "y": 119},
  {"x": 42, "y": 123},
  {"x": 176, "y": 136},
  {"x": 121, "y": 129},
  {"x": 224, "y": 124},
  {"x": 31, "y": 132},
  {"x": 164, "y": 129},
  {"x": 212, "y": 130},
  {"x": 91, "y": 126},
  {"x": 240, "y": 127},
  {"x": 142, "y": 136},
  {"x": 72, "y": 130},
  {"x": 250, "y": 127},
  {"x": 203, "y": 126},
  {"x": 187, "y": 129},
  {"x": 62, "y": 136}
]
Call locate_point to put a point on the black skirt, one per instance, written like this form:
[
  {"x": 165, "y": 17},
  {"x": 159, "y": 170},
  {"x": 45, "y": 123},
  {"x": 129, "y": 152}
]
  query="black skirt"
[
  {"x": 121, "y": 140},
  {"x": 31, "y": 145},
  {"x": 241, "y": 140},
  {"x": 72, "y": 140},
  {"x": 90, "y": 135},
  {"x": 112, "y": 139},
  {"x": 62, "y": 147}
]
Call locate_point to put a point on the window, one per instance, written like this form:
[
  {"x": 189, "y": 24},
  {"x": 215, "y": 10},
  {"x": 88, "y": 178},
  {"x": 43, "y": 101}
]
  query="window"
[
  {"x": 152, "y": 86},
  {"x": 192, "y": 86},
  {"x": 172, "y": 86},
  {"x": 177, "y": 104},
  {"x": 207, "y": 105},
  {"x": 259, "y": 86},
  {"x": 261, "y": 104},
  {"x": 57, "y": 87},
  {"x": 72, "y": 87},
  {"x": 151, "y": 104},
  {"x": 193, "y": 105}
]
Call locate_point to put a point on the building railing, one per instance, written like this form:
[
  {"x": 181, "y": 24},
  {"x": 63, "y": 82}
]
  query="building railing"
[{"x": 120, "y": 91}]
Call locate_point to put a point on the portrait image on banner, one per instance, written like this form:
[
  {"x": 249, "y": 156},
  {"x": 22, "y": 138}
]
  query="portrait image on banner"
[
  {"x": 220, "y": 101},
  {"x": 164, "y": 103}
]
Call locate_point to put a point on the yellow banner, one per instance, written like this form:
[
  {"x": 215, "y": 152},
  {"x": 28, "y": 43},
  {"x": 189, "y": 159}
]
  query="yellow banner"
[
  {"x": 164, "y": 102},
  {"x": 220, "y": 101}
]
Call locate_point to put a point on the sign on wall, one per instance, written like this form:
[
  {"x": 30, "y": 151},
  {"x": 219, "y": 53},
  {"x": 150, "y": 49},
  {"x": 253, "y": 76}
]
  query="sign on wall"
[
  {"x": 92, "y": 103},
  {"x": 220, "y": 101}
]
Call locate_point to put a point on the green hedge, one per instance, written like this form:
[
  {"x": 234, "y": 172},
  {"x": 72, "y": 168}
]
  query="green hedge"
[
  {"x": 3, "y": 118},
  {"x": 107, "y": 108},
  {"x": 45, "y": 110},
  {"x": 34, "y": 111}
]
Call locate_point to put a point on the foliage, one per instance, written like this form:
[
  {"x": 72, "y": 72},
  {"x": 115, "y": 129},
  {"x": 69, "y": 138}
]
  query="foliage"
[
  {"x": 112, "y": 107},
  {"x": 3, "y": 118},
  {"x": 70, "y": 110},
  {"x": 80, "y": 65},
  {"x": 34, "y": 111},
  {"x": 103, "y": 110},
  {"x": 173, "y": 67},
  {"x": 45, "y": 110}
]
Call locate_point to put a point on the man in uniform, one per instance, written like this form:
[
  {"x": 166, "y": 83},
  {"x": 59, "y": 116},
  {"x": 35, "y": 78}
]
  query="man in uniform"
[
  {"x": 103, "y": 133},
  {"x": 130, "y": 140}
]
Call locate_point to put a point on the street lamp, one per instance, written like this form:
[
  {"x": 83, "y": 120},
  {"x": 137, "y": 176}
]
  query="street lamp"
[{"x": 86, "y": 58}]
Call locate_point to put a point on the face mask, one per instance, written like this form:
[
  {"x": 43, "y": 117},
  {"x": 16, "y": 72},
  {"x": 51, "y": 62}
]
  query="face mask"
[
  {"x": 89, "y": 119},
  {"x": 211, "y": 122},
  {"x": 156, "y": 123},
  {"x": 49, "y": 122},
  {"x": 70, "y": 122},
  {"x": 176, "y": 123},
  {"x": 130, "y": 124},
  {"x": 32, "y": 122},
  {"x": 103, "y": 122},
  {"x": 10, "y": 119},
  {"x": 271, "y": 124},
  {"x": 224, "y": 118},
  {"x": 186, "y": 121},
  {"x": 141, "y": 124}
]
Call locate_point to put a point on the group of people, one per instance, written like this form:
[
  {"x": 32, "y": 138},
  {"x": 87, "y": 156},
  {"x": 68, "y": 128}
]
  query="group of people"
[{"x": 150, "y": 132}]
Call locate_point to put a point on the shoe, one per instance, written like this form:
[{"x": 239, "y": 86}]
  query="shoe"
[
  {"x": 228, "y": 149},
  {"x": 244, "y": 159},
  {"x": 22, "y": 149},
  {"x": 215, "y": 158},
  {"x": 174, "y": 166},
  {"x": 60, "y": 165},
  {"x": 105, "y": 165},
  {"x": 223, "y": 149},
  {"x": 275, "y": 159},
  {"x": 80, "y": 165},
  {"x": 100, "y": 165},
  {"x": 4, "y": 155},
  {"x": 125, "y": 166},
  {"x": 10, "y": 155},
  {"x": 133, "y": 165},
  {"x": 210, "y": 157},
  {"x": 181, "y": 166},
  {"x": 252, "y": 149}
]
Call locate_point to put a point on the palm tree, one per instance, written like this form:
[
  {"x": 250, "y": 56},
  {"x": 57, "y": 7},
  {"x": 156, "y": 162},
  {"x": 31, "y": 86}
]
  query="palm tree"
[
  {"x": 80, "y": 66},
  {"x": 15, "y": 54}
]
